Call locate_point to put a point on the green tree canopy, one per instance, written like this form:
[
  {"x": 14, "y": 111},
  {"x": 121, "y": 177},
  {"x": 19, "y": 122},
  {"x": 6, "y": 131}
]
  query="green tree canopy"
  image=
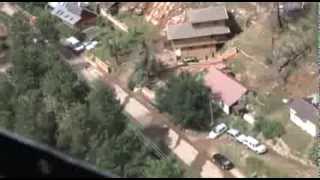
[
  {"x": 124, "y": 154},
  {"x": 105, "y": 111},
  {"x": 6, "y": 98},
  {"x": 41, "y": 98},
  {"x": 73, "y": 135},
  {"x": 31, "y": 118},
  {"x": 187, "y": 99},
  {"x": 164, "y": 168},
  {"x": 47, "y": 25}
]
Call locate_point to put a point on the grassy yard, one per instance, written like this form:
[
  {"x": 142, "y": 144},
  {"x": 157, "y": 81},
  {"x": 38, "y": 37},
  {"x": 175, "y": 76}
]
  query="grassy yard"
[
  {"x": 274, "y": 109},
  {"x": 298, "y": 140},
  {"x": 101, "y": 53},
  {"x": 150, "y": 32},
  {"x": 250, "y": 163},
  {"x": 259, "y": 168}
]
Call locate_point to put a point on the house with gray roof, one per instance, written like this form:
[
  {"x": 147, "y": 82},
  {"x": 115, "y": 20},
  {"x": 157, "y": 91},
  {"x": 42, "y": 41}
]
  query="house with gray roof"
[
  {"x": 71, "y": 13},
  {"x": 305, "y": 114},
  {"x": 204, "y": 29},
  {"x": 210, "y": 14}
]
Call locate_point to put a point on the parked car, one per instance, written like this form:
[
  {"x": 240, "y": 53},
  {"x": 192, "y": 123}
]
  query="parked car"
[
  {"x": 90, "y": 45},
  {"x": 217, "y": 131},
  {"x": 190, "y": 60},
  {"x": 74, "y": 44},
  {"x": 233, "y": 132},
  {"x": 241, "y": 139},
  {"x": 79, "y": 47},
  {"x": 222, "y": 161},
  {"x": 255, "y": 145}
]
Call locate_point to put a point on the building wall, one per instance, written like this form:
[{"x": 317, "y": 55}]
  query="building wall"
[
  {"x": 224, "y": 107},
  {"x": 87, "y": 19},
  {"x": 305, "y": 125},
  {"x": 199, "y": 41},
  {"x": 202, "y": 52}
]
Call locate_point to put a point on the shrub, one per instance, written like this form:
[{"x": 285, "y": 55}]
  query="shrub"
[
  {"x": 269, "y": 129},
  {"x": 4, "y": 46},
  {"x": 240, "y": 124},
  {"x": 268, "y": 61},
  {"x": 314, "y": 153}
]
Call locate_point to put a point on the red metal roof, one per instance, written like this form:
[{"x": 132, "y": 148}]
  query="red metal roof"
[{"x": 228, "y": 89}]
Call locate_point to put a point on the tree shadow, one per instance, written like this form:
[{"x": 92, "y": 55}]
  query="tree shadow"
[{"x": 158, "y": 135}]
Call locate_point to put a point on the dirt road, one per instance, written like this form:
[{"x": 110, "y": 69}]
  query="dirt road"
[{"x": 273, "y": 159}]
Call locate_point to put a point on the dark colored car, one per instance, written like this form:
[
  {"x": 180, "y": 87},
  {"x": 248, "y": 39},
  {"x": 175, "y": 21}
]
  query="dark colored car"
[
  {"x": 222, "y": 161},
  {"x": 190, "y": 60}
]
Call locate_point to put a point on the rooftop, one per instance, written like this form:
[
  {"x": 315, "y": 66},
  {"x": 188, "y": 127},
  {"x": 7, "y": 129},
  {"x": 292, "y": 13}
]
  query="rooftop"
[
  {"x": 305, "y": 110},
  {"x": 212, "y": 13},
  {"x": 68, "y": 11},
  {"x": 228, "y": 89},
  {"x": 186, "y": 30}
]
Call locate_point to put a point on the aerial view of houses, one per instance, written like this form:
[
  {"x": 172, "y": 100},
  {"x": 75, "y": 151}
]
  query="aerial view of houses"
[
  {"x": 202, "y": 32},
  {"x": 164, "y": 89},
  {"x": 305, "y": 114}
]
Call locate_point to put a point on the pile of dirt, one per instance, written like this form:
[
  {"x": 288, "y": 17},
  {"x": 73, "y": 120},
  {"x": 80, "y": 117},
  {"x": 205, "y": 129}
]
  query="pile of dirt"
[
  {"x": 137, "y": 8},
  {"x": 159, "y": 13}
]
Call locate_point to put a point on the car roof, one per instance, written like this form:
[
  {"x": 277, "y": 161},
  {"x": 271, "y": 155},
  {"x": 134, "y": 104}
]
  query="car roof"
[
  {"x": 242, "y": 135},
  {"x": 232, "y": 130},
  {"x": 72, "y": 40},
  {"x": 219, "y": 156},
  {"x": 252, "y": 140},
  {"x": 221, "y": 125}
]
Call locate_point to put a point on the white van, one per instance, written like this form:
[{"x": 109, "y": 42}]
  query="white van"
[
  {"x": 242, "y": 139},
  {"x": 254, "y": 145}
]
